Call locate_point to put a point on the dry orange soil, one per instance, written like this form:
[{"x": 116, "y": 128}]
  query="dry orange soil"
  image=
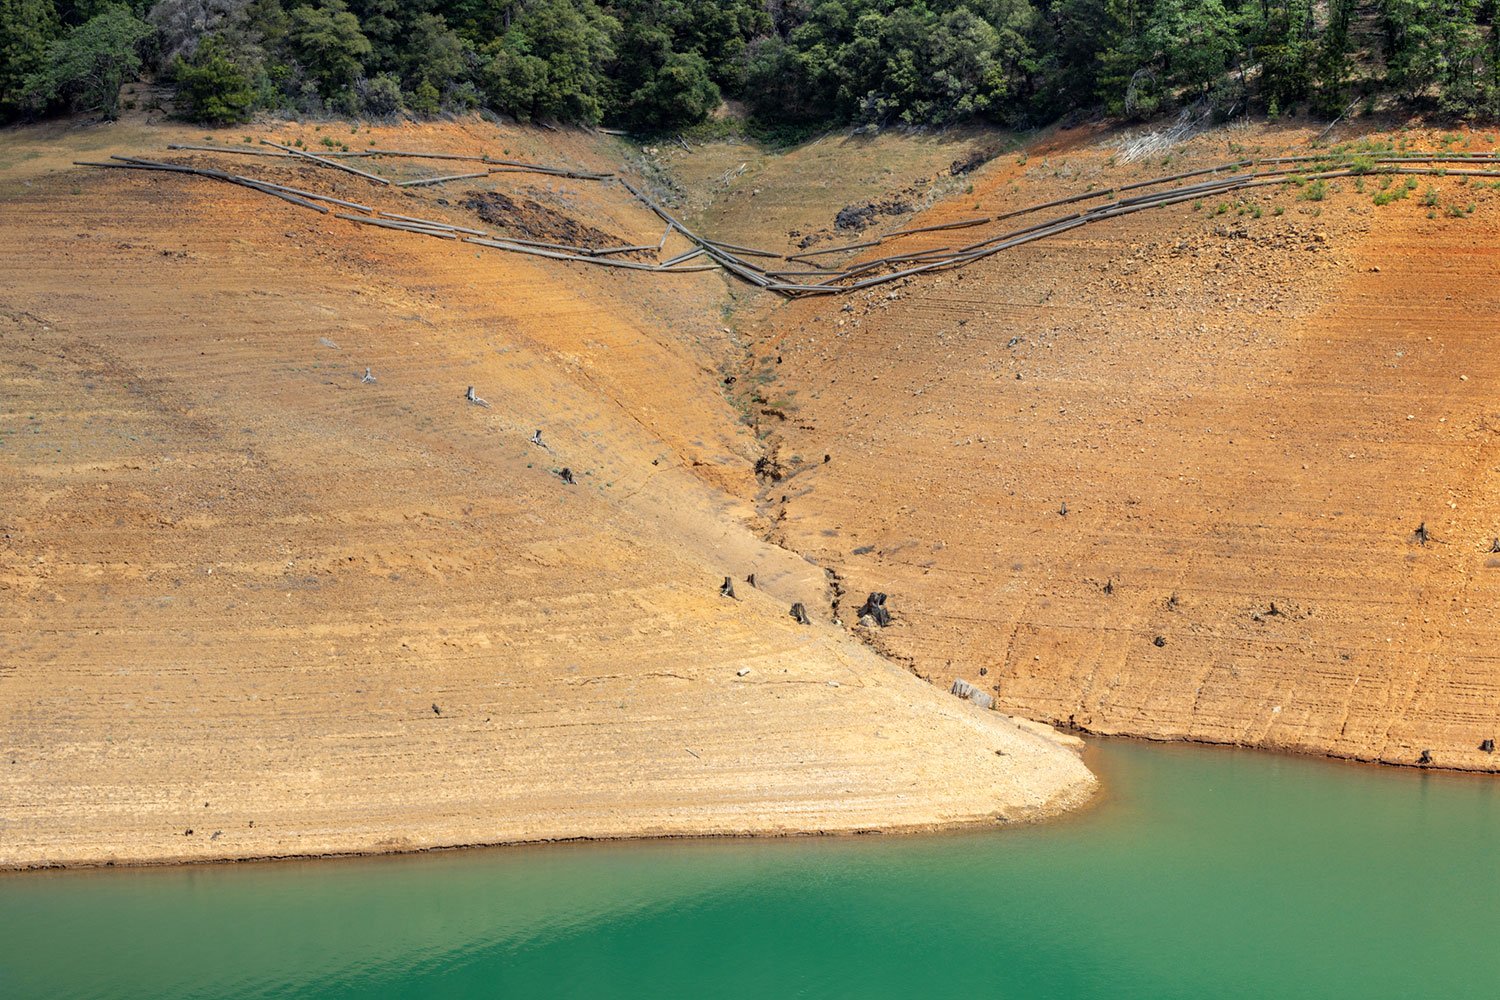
[
  {"x": 1161, "y": 476},
  {"x": 253, "y": 606}
]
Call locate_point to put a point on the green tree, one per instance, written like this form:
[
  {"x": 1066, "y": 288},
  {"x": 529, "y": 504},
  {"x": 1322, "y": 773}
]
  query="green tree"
[
  {"x": 1433, "y": 43},
  {"x": 85, "y": 69},
  {"x": 212, "y": 87},
  {"x": 778, "y": 85},
  {"x": 27, "y": 27},
  {"x": 433, "y": 54},
  {"x": 1461, "y": 75},
  {"x": 1334, "y": 61},
  {"x": 1193, "y": 41},
  {"x": 681, "y": 92},
  {"x": 551, "y": 62},
  {"x": 328, "y": 42},
  {"x": 1286, "y": 46}
]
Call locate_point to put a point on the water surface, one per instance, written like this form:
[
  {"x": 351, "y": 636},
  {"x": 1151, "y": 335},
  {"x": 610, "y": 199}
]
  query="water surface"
[{"x": 1202, "y": 874}]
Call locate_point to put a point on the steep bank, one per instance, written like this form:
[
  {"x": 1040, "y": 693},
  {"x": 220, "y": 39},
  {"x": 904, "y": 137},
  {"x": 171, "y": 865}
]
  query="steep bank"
[
  {"x": 253, "y": 606},
  {"x": 1162, "y": 476}
]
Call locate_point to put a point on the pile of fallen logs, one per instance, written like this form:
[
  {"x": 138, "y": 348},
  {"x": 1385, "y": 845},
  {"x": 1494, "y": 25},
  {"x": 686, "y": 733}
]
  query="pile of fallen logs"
[
  {"x": 413, "y": 224},
  {"x": 821, "y": 279}
]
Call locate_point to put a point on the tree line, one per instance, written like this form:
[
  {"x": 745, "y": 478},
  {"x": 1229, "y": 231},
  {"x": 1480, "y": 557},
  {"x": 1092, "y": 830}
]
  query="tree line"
[{"x": 667, "y": 64}]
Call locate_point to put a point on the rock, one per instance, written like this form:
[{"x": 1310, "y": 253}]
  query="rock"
[
  {"x": 967, "y": 691},
  {"x": 1488, "y": 746},
  {"x": 1426, "y": 757},
  {"x": 743, "y": 671},
  {"x": 874, "y": 608},
  {"x": 854, "y": 216},
  {"x": 867, "y": 621}
]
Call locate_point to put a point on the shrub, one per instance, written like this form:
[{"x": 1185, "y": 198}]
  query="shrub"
[
  {"x": 425, "y": 99},
  {"x": 27, "y": 27},
  {"x": 212, "y": 88},
  {"x": 86, "y": 68},
  {"x": 380, "y": 95}
]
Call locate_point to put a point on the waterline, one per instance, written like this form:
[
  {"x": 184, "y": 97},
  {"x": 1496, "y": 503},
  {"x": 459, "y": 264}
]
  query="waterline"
[{"x": 1203, "y": 873}]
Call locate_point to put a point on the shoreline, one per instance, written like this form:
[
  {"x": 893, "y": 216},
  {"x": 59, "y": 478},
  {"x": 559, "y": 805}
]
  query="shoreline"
[
  {"x": 1098, "y": 797},
  {"x": 1314, "y": 754},
  {"x": 1051, "y": 813}
]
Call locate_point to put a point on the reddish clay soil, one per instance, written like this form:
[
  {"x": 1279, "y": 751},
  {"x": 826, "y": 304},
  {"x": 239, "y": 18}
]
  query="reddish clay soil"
[
  {"x": 1161, "y": 476},
  {"x": 253, "y": 606}
]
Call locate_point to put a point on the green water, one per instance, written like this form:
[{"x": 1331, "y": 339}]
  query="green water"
[{"x": 1203, "y": 874}]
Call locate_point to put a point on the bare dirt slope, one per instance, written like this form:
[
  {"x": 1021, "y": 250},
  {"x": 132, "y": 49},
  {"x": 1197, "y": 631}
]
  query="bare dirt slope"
[
  {"x": 1161, "y": 476},
  {"x": 251, "y": 605}
]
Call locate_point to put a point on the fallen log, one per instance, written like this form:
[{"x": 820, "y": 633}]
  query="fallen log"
[
  {"x": 739, "y": 249},
  {"x": 326, "y": 162},
  {"x": 434, "y": 225},
  {"x": 303, "y": 202},
  {"x": 442, "y": 180},
  {"x": 695, "y": 252},
  {"x": 255, "y": 182},
  {"x": 601, "y": 262},
  {"x": 965, "y": 224},
  {"x": 827, "y": 250},
  {"x": 423, "y": 155},
  {"x": 408, "y": 227},
  {"x": 537, "y": 168}
]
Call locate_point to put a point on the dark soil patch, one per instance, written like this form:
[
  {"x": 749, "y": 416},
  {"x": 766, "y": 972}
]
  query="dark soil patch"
[
  {"x": 530, "y": 220},
  {"x": 858, "y": 217}
]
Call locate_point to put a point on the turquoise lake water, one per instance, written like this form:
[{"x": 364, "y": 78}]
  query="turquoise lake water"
[{"x": 1202, "y": 873}]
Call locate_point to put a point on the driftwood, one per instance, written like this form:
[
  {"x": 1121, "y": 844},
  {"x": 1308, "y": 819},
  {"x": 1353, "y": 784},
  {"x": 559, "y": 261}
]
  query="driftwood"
[
  {"x": 500, "y": 244},
  {"x": 864, "y": 274},
  {"x": 433, "y": 225},
  {"x": 422, "y": 154},
  {"x": 254, "y": 182},
  {"x": 408, "y": 227},
  {"x": 327, "y": 162},
  {"x": 680, "y": 258},
  {"x": 443, "y": 180},
  {"x": 827, "y": 250},
  {"x": 294, "y": 199},
  {"x": 964, "y": 224}
]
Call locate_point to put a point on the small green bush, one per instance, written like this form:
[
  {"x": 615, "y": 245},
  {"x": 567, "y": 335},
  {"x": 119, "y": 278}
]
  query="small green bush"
[{"x": 211, "y": 87}]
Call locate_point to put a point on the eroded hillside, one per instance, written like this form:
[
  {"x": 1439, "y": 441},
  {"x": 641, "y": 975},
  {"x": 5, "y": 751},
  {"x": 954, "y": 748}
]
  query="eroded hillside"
[
  {"x": 255, "y": 604},
  {"x": 1164, "y": 475}
]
